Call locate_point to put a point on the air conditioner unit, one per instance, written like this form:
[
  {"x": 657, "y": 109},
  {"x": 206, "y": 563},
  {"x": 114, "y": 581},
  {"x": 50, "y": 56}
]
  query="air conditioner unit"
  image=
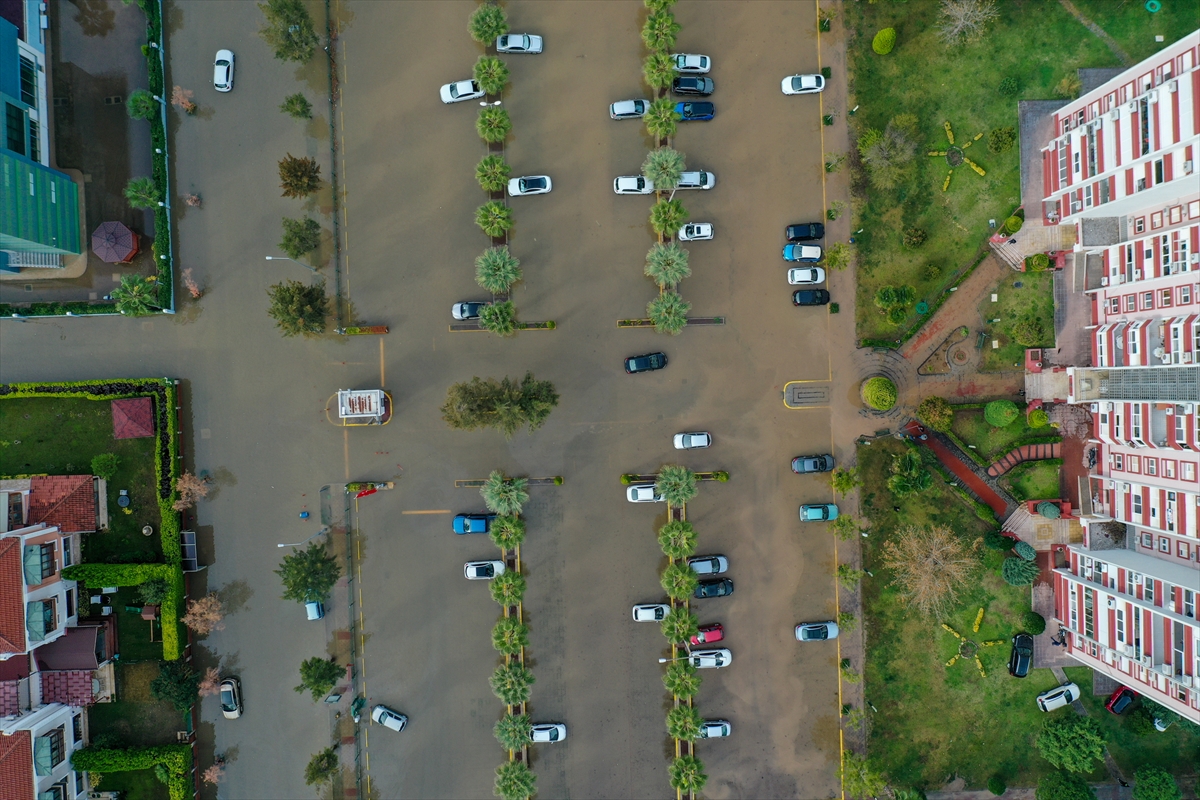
[
  {"x": 1173, "y": 86},
  {"x": 1108, "y": 406},
  {"x": 1126, "y": 487},
  {"x": 1152, "y": 96},
  {"x": 1111, "y": 484},
  {"x": 1104, "y": 281},
  {"x": 1187, "y": 168},
  {"x": 1112, "y": 602},
  {"x": 1095, "y": 407},
  {"x": 1190, "y": 408},
  {"x": 1186, "y": 357},
  {"x": 1184, "y": 680},
  {"x": 1115, "y": 114},
  {"x": 1127, "y": 650},
  {"x": 1141, "y": 184},
  {"x": 1137, "y": 274},
  {"x": 1147, "y": 661},
  {"x": 1194, "y": 258},
  {"x": 1166, "y": 669},
  {"x": 1132, "y": 106}
]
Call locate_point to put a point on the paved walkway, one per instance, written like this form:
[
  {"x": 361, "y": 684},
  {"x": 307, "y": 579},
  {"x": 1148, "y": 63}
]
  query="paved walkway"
[
  {"x": 1029, "y": 452},
  {"x": 960, "y": 470},
  {"x": 961, "y": 309}
]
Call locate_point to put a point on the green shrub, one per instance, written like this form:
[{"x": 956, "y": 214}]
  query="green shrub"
[
  {"x": 1038, "y": 262},
  {"x": 1025, "y": 550},
  {"x": 1009, "y": 87},
  {"x": 996, "y": 540},
  {"x": 1001, "y": 140},
  {"x": 297, "y": 106},
  {"x": 996, "y": 785},
  {"x": 1013, "y": 224},
  {"x": 1000, "y": 413},
  {"x": 914, "y": 238},
  {"x": 1033, "y": 622},
  {"x": 1029, "y": 331},
  {"x": 879, "y": 393},
  {"x": 1038, "y": 418},
  {"x": 104, "y": 466},
  {"x": 1018, "y": 571},
  {"x": 884, "y": 41},
  {"x": 935, "y": 413}
]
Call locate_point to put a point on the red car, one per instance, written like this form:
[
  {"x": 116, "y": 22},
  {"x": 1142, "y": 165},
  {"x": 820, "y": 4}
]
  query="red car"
[
  {"x": 709, "y": 634},
  {"x": 1121, "y": 699}
]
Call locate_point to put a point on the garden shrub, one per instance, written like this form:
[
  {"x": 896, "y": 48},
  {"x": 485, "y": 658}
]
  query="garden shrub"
[
  {"x": 996, "y": 540},
  {"x": 884, "y": 41},
  {"x": 1033, "y": 622},
  {"x": 879, "y": 393},
  {"x": 931, "y": 272},
  {"x": 1029, "y": 331},
  {"x": 996, "y": 785},
  {"x": 897, "y": 314},
  {"x": 1001, "y": 140},
  {"x": 1000, "y": 413},
  {"x": 1009, "y": 87},
  {"x": 1038, "y": 262},
  {"x": 935, "y": 413},
  {"x": 1013, "y": 224},
  {"x": 914, "y": 238},
  {"x": 175, "y": 758},
  {"x": 1018, "y": 572},
  {"x": 1025, "y": 550},
  {"x": 1038, "y": 418},
  {"x": 104, "y": 466}
]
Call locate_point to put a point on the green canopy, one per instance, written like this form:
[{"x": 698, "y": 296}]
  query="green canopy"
[{"x": 1049, "y": 510}]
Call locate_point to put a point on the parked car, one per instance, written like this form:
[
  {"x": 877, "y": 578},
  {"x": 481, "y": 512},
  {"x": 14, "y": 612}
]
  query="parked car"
[
  {"x": 519, "y": 43},
  {"x": 643, "y": 493},
  {"x": 818, "y": 512},
  {"x": 628, "y": 109},
  {"x": 711, "y": 659},
  {"x": 1020, "y": 658},
  {"x": 803, "y": 84},
  {"x": 459, "y": 91},
  {"x": 223, "y": 71},
  {"x": 690, "y": 112},
  {"x": 695, "y": 231},
  {"x": 388, "y": 718},
  {"x": 708, "y": 565},
  {"x": 805, "y": 276},
  {"x": 713, "y": 587},
  {"x": 473, "y": 523},
  {"x": 708, "y": 634},
  {"x": 483, "y": 570},
  {"x": 697, "y": 180},
  {"x": 803, "y": 252},
  {"x": 692, "y": 441},
  {"x": 816, "y": 631},
  {"x": 715, "y": 729},
  {"x": 810, "y": 297},
  {"x": 646, "y": 363},
  {"x": 530, "y": 184},
  {"x": 314, "y": 610},
  {"x": 1121, "y": 700},
  {"x": 547, "y": 732},
  {"x": 468, "y": 309},
  {"x": 687, "y": 84},
  {"x": 1058, "y": 697},
  {"x": 651, "y": 612},
  {"x": 231, "y": 698},
  {"x": 687, "y": 62},
  {"x": 805, "y": 232},
  {"x": 803, "y": 465},
  {"x": 632, "y": 184}
]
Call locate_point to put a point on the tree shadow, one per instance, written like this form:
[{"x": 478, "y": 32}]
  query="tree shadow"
[
  {"x": 94, "y": 17},
  {"x": 218, "y": 478},
  {"x": 234, "y": 596}
]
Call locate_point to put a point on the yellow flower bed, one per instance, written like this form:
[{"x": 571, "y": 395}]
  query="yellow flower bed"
[
  {"x": 978, "y": 619},
  {"x": 946, "y": 183},
  {"x": 979, "y": 664},
  {"x": 952, "y": 661},
  {"x": 974, "y": 166},
  {"x": 949, "y": 131}
]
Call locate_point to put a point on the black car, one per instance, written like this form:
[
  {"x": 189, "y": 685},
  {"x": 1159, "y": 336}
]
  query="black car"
[
  {"x": 688, "y": 84},
  {"x": 713, "y": 587},
  {"x": 805, "y": 232},
  {"x": 1021, "y": 657},
  {"x": 810, "y": 297},
  {"x": 646, "y": 363}
]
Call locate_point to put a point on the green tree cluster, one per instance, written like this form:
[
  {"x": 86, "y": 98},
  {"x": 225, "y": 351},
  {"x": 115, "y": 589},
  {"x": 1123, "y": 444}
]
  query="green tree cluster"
[
  {"x": 296, "y": 106},
  {"x": 309, "y": 574},
  {"x": 300, "y": 236},
  {"x": 176, "y": 683},
  {"x": 299, "y": 309},
  {"x": 1000, "y": 413},
  {"x": 288, "y": 30},
  {"x": 319, "y": 675},
  {"x": 299, "y": 177},
  {"x": 504, "y": 404},
  {"x": 1071, "y": 742},
  {"x": 879, "y": 393},
  {"x": 936, "y": 414}
]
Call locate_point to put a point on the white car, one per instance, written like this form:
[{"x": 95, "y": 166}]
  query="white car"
[
  {"x": 643, "y": 493},
  {"x": 715, "y": 729},
  {"x": 692, "y": 441},
  {"x": 628, "y": 109},
  {"x": 711, "y": 659},
  {"x": 388, "y": 718},
  {"x": 816, "y": 631},
  {"x": 459, "y": 91},
  {"x": 697, "y": 180},
  {"x": 804, "y": 84},
  {"x": 694, "y": 64},
  {"x": 231, "y": 698},
  {"x": 708, "y": 565},
  {"x": 223, "y": 71},
  {"x": 803, "y": 276},
  {"x": 651, "y": 612},
  {"x": 530, "y": 184},
  {"x": 695, "y": 231},
  {"x": 632, "y": 184},
  {"x": 519, "y": 43},
  {"x": 547, "y": 732},
  {"x": 1058, "y": 697},
  {"x": 483, "y": 570}
]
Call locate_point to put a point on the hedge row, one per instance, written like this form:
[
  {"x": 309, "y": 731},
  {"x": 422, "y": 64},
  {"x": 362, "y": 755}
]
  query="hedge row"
[
  {"x": 972, "y": 454},
  {"x": 177, "y": 758},
  {"x": 78, "y": 309},
  {"x": 159, "y": 153}
]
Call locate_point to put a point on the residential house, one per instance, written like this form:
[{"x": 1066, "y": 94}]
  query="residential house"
[{"x": 35, "y": 754}]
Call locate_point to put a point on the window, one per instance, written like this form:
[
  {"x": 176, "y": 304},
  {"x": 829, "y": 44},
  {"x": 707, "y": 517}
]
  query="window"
[
  {"x": 1148, "y": 592},
  {"x": 1118, "y": 461},
  {"x": 1164, "y": 298},
  {"x": 14, "y": 123},
  {"x": 28, "y": 82},
  {"x": 1147, "y": 300},
  {"x": 1062, "y": 164},
  {"x": 1114, "y": 305},
  {"x": 1134, "y": 463},
  {"x": 47, "y": 551},
  {"x": 1164, "y": 544},
  {"x": 68, "y": 556},
  {"x": 49, "y": 751},
  {"x": 1158, "y": 172},
  {"x": 1175, "y": 215},
  {"x": 1156, "y": 219},
  {"x": 1076, "y": 161},
  {"x": 1168, "y": 468},
  {"x": 1121, "y": 626},
  {"x": 1089, "y": 615},
  {"x": 1139, "y": 225},
  {"x": 1188, "y": 470},
  {"x": 70, "y": 602},
  {"x": 1147, "y": 541},
  {"x": 77, "y": 728},
  {"x": 1189, "y": 603},
  {"x": 1183, "y": 551},
  {"x": 1131, "y": 302},
  {"x": 1150, "y": 465},
  {"x": 35, "y": 142},
  {"x": 1137, "y": 502},
  {"x": 1185, "y": 295}
]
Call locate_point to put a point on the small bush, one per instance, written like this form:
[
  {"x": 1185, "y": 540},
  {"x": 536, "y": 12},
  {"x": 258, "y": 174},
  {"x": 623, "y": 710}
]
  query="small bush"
[
  {"x": 1001, "y": 140},
  {"x": 884, "y": 41},
  {"x": 1033, "y": 622},
  {"x": 935, "y": 413},
  {"x": 1038, "y": 418},
  {"x": 834, "y": 308},
  {"x": 1025, "y": 550},
  {"x": 1018, "y": 571},
  {"x": 996, "y": 785},
  {"x": 931, "y": 272},
  {"x": 1000, "y": 413},
  {"x": 1013, "y": 224},
  {"x": 104, "y": 466},
  {"x": 914, "y": 238},
  {"x": 1028, "y": 331},
  {"x": 296, "y": 106},
  {"x": 1009, "y": 87},
  {"x": 879, "y": 393},
  {"x": 995, "y": 540},
  {"x": 1038, "y": 262}
]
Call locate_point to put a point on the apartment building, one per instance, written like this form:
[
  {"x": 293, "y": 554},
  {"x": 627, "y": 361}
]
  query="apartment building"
[{"x": 35, "y": 754}]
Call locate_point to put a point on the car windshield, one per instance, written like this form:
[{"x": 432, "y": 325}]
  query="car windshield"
[
  {"x": 227, "y": 698},
  {"x": 532, "y": 183},
  {"x": 817, "y": 632}
]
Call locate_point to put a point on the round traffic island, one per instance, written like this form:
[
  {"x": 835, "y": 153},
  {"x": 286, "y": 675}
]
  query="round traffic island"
[{"x": 879, "y": 393}]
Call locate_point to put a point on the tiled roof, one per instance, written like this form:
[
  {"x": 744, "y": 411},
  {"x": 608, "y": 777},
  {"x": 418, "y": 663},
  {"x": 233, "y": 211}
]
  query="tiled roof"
[
  {"x": 72, "y": 687},
  {"x": 133, "y": 418},
  {"x": 68, "y": 501},
  {"x": 10, "y": 698},
  {"x": 16, "y": 766},
  {"x": 12, "y": 599}
]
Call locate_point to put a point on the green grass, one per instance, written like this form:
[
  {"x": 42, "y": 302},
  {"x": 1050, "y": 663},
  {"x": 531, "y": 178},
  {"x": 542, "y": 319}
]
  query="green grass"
[
  {"x": 136, "y": 718},
  {"x": 55, "y": 436},
  {"x": 134, "y": 632},
  {"x": 991, "y": 443},
  {"x": 1134, "y": 27},
  {"x": 1034, "y": 480},
  {"x": 1036, "y": 42},
  {"x": 1034, "y": 296},
  {"x": 137, "y": 785}
]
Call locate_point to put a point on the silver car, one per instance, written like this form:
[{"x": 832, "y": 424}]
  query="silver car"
[
  {"x": 548, "y": 732},
  {"x": 696, "y": 231},
  {"x": 715, "y": 729},
  {"x": 393, "y": 720},
  {"x": 697, "y": 179},
  {"x": 691, "y": 64},
  {"x": 806, "y": 276},
  {"x": 692, "y": 441},
  {"x": 632, "y": 184},
  {"x": 223, "y": 71},
  {"x": 530, "y": 184},
  {"x": 643, "y": 493},
  {"x": 803, "y": 84},
  {"x": 708, "y": 565},
  {"x": 483, "y": 570},
  {"x": 711, "y": 659},
  {"x": 519, "y": 43},
  {"x": 628, "y": 109},
  {"x": 651, "y": 612},
  {"x": 1058, "y": 697},
  {"x": 459, "y": 91},
  {"x": 816, "y": 631},
  {"x": 231, "y": 698}
]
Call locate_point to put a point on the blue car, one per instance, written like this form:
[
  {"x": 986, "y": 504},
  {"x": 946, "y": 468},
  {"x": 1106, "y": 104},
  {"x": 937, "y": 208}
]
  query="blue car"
[
  {"x": 473, "y": 523},
  {"x": 818, "y": 512},
  {"x": 695, "y": 111}
]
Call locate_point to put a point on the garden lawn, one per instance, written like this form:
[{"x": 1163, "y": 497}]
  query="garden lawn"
[
  {"x": 136, "y": 718},
  {"x": 1035, "y": 480},
  {"x": 137, "y": 785},
  {"x": 60, "y": 436},
  {"x": 133, "y": 632},
  {"x": 991, "y": 443},
  {"x": 1034, "y": 296},
  {"x": 1036, "y": 42}
]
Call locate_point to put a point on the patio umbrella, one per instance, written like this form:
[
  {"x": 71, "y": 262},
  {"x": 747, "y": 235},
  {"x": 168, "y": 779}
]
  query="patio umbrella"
[{"x": 114, "y": 243}]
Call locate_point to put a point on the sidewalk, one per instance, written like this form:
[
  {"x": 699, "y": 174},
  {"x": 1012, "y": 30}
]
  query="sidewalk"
[{"x": 960, "y": 470}]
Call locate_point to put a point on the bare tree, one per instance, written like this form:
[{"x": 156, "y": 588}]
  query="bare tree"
[
  {"x": 210, "y": 684},
  {"x": 181, "y": 98},
  {"x": 965, "y": 21},
  {"x": 215, "y": 773},
  {"x": 190, "y": 490},
  {"x": 204, "y": 615},
  {"x": 931, "y": 565}
]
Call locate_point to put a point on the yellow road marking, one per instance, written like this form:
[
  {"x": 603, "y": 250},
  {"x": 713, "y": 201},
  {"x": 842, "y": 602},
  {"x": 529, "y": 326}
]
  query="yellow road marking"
[
  {"x": 346, "y": 450},
  {"x": 382, "y": 383},
  {"x": 429, "y": 511}
]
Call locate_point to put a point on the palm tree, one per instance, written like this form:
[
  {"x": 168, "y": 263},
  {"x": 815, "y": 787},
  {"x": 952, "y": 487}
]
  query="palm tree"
[
  {"x": 493, "y": 124},
  {"x": 681, "y": 680},
  {"x": 499, "y": 318},
  {"x": 510, "y": 635},
  {"x": 487, "y": 23},
  {"x": 142, "y": 193},
  {"x": 504, "y": 495},
  {"x": 667, "y": 264},
  {"x": 658, "y": 5},
  {"x": 683, "y": 722},
  {"x": 497, "y": 269},
  {"x": 663, "y": 167},
  {"x": 677, "y": 539},
  {"x": 492, "y": 173},
  {"x": 658, "y": 70},
  {"x": 511, "y": 683},
  {"x": 679, "y": 581},
  {"x": 515, "y": 781},
  {"x": 136, "y": 296},
  {"x": 660, "y": 118},
  {"x": 507, "y": 531},
  {"x": 687, "y": 774},
  {"x": 679, "y": 626},
  {"x": 667, "y": 216},
  {"x": 491, "y": 74},
  {"x": 299, "y": 177},
  {"x": 508, "y": 589},
  {"x": 494, "y": 218},
  {"x": 142, "y": 105},
  {"x": 512, "y": 731},
  {"x": 660, "y": 30},
  {"x": 668, "y": 312},
  {"x": 677, "y": 484}
]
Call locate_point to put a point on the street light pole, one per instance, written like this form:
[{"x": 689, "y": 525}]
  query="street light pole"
[
  {"x": 680, "y": 658},
  {"x": 306, "y": 541},
  {"x": 294, "y": 261}
]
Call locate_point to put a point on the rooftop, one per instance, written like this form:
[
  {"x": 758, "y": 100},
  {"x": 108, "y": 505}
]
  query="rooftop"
[
  {"x": 12, "y": 602},
  {"x": 133, "y": 418},
  {"x": 66, "y": 501},
  {"x": 16, "y": 766},
  {"x": 1145, "y": 384}
]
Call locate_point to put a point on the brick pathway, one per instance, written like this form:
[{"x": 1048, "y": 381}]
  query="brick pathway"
[
  {"x": 961, "y": 471},
  {"x": 1029, "y": 452}
]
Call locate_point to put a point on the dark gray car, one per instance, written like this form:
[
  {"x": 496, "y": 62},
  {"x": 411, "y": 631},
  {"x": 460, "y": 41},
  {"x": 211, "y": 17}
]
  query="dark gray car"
[{"x": 802, "y": 465}]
